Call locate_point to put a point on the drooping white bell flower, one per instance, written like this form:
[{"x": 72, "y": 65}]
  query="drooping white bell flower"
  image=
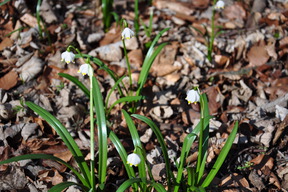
[
  {"x": 192, "y": 96},
  {"x": 133, "y": 159},
  {"x": 220, "y": 4},
  {"x": 68, "y": 57},
  {"x": 127, "y": 33},
  {"x": 86, "y": 69}
]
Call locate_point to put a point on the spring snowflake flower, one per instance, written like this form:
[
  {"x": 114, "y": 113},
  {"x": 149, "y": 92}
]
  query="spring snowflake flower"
[
  {"x": 84, "y": 69},
  {"x": 220, "y": 4},
  {"x": 127, "y": 33},
  {"x": 68, "y": 57},
  {"x": 133, "y": 159},
  {"x": 192, "y": 96}
]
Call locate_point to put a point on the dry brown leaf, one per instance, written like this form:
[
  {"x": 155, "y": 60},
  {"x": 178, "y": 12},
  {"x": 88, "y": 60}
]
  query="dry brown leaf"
[
  {"x": 65, "y": 155},
  {"x": 157, "y": 171},
  {"x": 283, "y": 42},
  {"x": 214, "y": 104},
  {"x": 163, "y": 64},
  {"x": 111, "y": 36},
  {"x": 262, "y": 161},
  {"x": 200, "y": 4},
  {"x": 235, "y": 12},
  {"x": 222, "y": 60},
  {"x": 6, "y": 42},
  {"x": 174, "y": 6},
  {"x": 135, "y": 58},
  {"x": 257, "y": 55},
  {"x": 15, "y": 177},
  {"x": 9, "y": 80},
  {"x": 57, "y": 178},
  {"x": 29, "y": 20},
  {"x": 234, "y": 180}
]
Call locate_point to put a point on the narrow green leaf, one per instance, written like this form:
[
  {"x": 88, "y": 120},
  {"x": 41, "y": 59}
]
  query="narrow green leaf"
[
  {"x": 125, "y": 99},
  {"x": 162, "y": 143},
  {"x": 122, "y": 153},
  {"x": 111, "y": 90},
  {"x": 150, "y": 56},
  {"x": 112, "y": 74},
  {"x": 146, "y": 68},
  {"x": 222, "y": 156},
  {"x": 188, "y": 141},
  {"x": 158, "y": 187},
  {"x": 102, "y": 131},
  {"x": 46, "y": 156},
  {"x": 65, "y": 136},
  {"x": 64, "y": 185},
  {"x": 128, "y": 183},
  {"x": 76, "y": 82},
  {"x": 4, "y": 2},
  {"x": 203, "y": 137},
  {"x": 136, "y": 142}
]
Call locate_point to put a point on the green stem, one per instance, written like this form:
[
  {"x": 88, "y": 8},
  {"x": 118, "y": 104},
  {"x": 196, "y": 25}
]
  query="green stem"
[
  {"x": 200, "y": 145},
  {"x": 212, "y": 35},
  {"x": 92, "y": 142},
  {"x": 136, "y": 18},
  {"x": 38, "y": 18},
  {"x": 128, "y": 65}
]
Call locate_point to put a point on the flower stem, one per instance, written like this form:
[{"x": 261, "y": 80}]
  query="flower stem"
[
  {"x": 128, "y": 65},
  {"x": 92, "y": 142},
  {"x": 212, "y": 35}
]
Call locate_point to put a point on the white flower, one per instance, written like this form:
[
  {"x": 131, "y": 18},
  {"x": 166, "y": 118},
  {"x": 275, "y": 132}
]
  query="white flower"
[
  {"x": 192, "y": 96},
  {"x": 68, "y": 57},
  {"x": 133, "y": 159},
  {"x": 127, "y": 33},
  {"x": 84, "y": 69},
  {"x": 220, "y": 4}
]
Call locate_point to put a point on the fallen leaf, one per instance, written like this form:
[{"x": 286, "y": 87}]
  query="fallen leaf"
[
  {"x": 9, "y": 80},
  {"x": 6, "y": 42},
  {"x": 257, "y": 55},
  {"x": 235, "y": 12},
  {"x": 174, "y": 6}
]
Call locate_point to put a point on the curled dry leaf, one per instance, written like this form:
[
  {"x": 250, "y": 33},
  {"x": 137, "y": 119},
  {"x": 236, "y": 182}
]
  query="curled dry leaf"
[
  {"x": 47, "y": 12},
  {"x": 13, "y": 178},
  {"x": 30, "y": 69},
  {"x": 158, "y": 170}
]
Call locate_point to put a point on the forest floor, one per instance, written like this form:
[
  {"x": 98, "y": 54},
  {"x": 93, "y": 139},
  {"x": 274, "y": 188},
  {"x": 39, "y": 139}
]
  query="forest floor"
[{"x": 246, "y": 82}]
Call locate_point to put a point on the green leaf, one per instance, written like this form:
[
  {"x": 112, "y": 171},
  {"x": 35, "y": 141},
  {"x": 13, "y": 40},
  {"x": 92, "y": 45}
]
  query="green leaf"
[
  {"x": 136, "y": 142},
  {"x": 148, "y": 61},
  {"x": 4, "y": 2},
  {"x": 64, "y": 185},
  {"x": 188, "y": 141},
  {"x": 162, "y": 143},
  {"x": 222, "y": 156},
  {"x": 112, "y": 74},
  {"x": 111, "y": 90},
  {"x": 158, "y": 187},
  {"x": 125, "y": 99},
  {"x": 123, "y": 155},
  {"x": 128, "y": 183},
  {"x": 46, "y": 156},
  {"x": 65, "y": 136},
  {"x": 203, "y": 137},
  {"x": 102, "y": 131},
  {"x": 76, "y": 82}
]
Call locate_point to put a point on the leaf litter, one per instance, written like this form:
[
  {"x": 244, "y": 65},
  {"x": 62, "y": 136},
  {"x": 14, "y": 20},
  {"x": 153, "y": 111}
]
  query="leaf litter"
[{"x": 247, "y": 82}]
